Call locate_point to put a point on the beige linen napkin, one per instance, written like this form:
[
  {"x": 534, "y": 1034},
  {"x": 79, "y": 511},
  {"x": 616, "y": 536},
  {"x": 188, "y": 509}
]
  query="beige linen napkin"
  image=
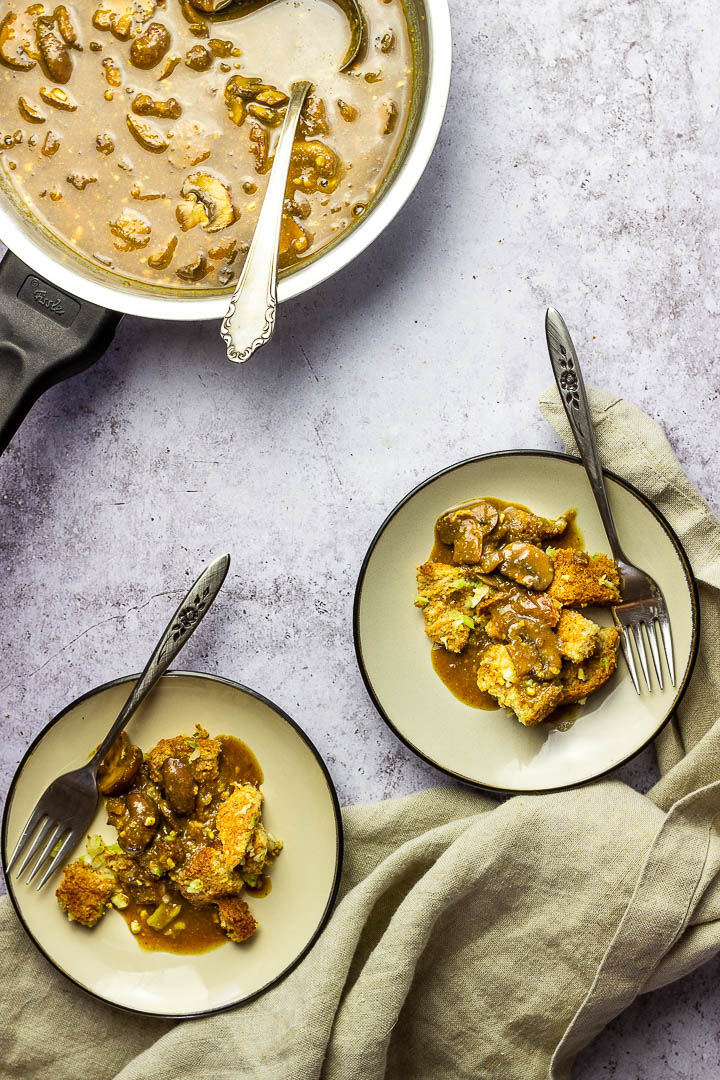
[{"x": 472, "y": 939}]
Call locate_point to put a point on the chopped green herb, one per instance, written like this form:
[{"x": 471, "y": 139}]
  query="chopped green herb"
[
  {"x": 468, "y": 621},
  {"x": 421, "y": 601}
]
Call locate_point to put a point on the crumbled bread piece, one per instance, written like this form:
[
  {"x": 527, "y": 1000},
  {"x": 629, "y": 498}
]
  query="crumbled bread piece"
[
  {"x": 449, "y": 596},
  {"x": 236, "y": 820},
  {"x": 235, "y": 918},
  {"x": 84, "y": 894},
  {"x": 581, "y": 680},
  {"x": 206, "y": 876},
  {"x": 581, "y": 579},
  {"x": 577, "y": 636},
  {"x": 530, "y": 699}
]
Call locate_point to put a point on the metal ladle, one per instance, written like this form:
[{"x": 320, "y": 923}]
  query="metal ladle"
[{"x": 250, "y": 319}]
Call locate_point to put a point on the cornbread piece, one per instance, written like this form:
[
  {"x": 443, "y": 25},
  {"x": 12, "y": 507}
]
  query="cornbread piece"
[
  {"x": 577, "y": 636},
  {"x": 201, "y": 752},
  {"x": 530, "y": 699},
  {"x": 448, "y": 596},
  {"x": 581, "y": 680},
  {"x": 206, "y": 876},
  {"x": 581, "y": 579},
  {"x": 257, "y": 851},
  {"x": 235, "y": 919},
  {"x": 235, "y": 822},
  {"x": 84, "y": 894},
  {"x": 517, "y": 524}
]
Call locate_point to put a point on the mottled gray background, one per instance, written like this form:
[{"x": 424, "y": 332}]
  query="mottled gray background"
[{"x": 578, "y": 165}]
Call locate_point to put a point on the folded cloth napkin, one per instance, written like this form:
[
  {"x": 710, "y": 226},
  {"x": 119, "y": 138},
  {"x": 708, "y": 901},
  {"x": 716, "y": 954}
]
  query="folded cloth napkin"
[{"x": 472, "y": 939}]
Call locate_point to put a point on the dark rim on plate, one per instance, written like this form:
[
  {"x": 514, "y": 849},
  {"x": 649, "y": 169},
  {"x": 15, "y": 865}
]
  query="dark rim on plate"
[
  {"x": 684, "y": 561},
  {"x": 338, "y": 857}
]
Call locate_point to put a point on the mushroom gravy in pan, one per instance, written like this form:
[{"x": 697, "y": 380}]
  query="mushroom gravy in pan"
[{"x": 140, "y": 133}]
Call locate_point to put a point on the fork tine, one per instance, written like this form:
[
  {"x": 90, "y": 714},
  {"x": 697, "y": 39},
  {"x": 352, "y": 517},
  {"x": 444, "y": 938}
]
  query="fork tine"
[
  {"x": 67, "y": 844},
  {"x": 629, "y": 658},
  {"x": 651, "y": 632},
  {"x": 35, "y": 818},
  {"x": 55, "y": 835},
  {"x": 662, "y": 618},
  {"x": 642, "y": 655},
  {"x": 39, "y": 839}
]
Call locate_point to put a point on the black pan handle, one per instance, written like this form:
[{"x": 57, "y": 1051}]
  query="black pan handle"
[{"x": 46, "y": 335}]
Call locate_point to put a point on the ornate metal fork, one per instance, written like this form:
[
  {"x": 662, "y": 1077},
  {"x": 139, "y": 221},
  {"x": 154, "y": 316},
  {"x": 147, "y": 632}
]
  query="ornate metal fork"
[
  {"x": 66, "y": 808},
  {"x": 643, "y": 604}
]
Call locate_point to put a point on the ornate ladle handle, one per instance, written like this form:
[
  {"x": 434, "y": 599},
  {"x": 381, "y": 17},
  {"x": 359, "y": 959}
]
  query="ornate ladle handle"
[
  {"x": 250, "y": 320},
  {"x": 568, "y": 376},
  {"x": 182, "y": 625}
]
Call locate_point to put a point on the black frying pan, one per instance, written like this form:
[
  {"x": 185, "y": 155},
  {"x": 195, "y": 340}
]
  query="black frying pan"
[{"x": 46, "y": 335}]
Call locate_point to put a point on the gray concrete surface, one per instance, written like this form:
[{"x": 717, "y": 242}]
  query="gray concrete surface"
[{"x": 578, "y": 166}]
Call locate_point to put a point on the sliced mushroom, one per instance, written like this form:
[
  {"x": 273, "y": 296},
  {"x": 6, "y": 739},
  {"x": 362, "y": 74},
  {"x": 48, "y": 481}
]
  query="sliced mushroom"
[
  {"x": 132, "y": 231},
  {"x": 313, "y": 118},
  {"x": 265, "y": 114},
  {"x": 51, "y": 145},
  {"x": 190, "y": 213},
  {"x": 54, "y": 56},
  {"x": 113, "y": 75},
  {"x": 194, "y": 271},
  {"x": 149, "y": 137},
  {"x": 169, "y": 66},
  {"x": 13, "y": 51},
  {"x": 119, "y": 767},
  {"x": 221, "y": 47},
  {"x": 389, "y": 117},
  {"x": 145, "y": 196},
  {"x": 314, "y": 166},
  {"x": 65, "y": 26},
  {"x": 30, "y": 112},
  {"x": 148, "y": 50},
  {"x": 348, "y": 112},
  {"x": 527, "y": 564},
  {"x": 160, "y": 260},
  {"x": 294, "y": 241},
  {"x": 226, "y": 250},
  {"x": 239, "y": 90},
  {"x": 259, "y": 148},
  {"x": 80, "y": 180},
  {"x": 466, "y": 528},
  {"x": 144, "y": 105},
  {"x": 213, "y": 196},
  {"x": 386, "y": 43},
  {"x": 271, "y": 97},
  {"x": 59, "y": 99},
  {"x": 104, "y": 144},
  {"x": 198, "y": 58}
]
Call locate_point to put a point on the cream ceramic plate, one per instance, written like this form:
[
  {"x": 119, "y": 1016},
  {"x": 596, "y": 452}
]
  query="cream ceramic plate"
[
  {"x": 300, "y": 807},
  {"x": 492, "y": 749}
]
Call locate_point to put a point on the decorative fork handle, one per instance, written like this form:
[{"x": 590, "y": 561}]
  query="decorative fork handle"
[
  {"x": 181, "y": 627},
  {"x": 250, "y": 320},
  {"x": 568, "y": 377}
]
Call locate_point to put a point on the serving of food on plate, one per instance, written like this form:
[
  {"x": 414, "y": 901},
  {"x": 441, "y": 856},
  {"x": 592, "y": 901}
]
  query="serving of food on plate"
[
  {"x": 502, "y": 594},
  {"x": 520, "y": 602},
  {"x": 190, "y": 844}
]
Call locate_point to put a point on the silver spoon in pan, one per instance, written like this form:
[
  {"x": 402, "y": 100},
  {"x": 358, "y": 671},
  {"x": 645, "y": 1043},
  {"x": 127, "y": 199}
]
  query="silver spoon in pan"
[{"x": 250, "y": 319}]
